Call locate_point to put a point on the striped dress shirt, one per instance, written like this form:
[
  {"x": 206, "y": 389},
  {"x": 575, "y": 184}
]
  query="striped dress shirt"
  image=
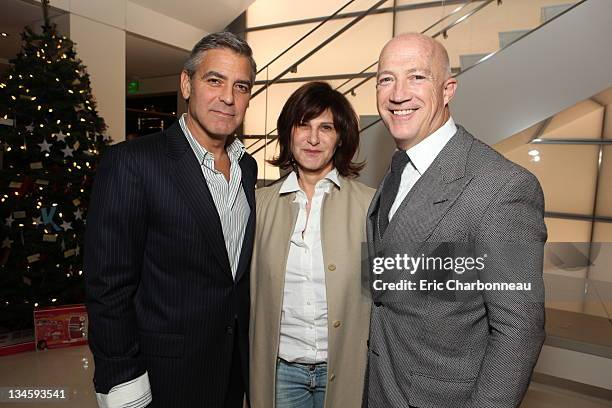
[{"x": 229, "y": 198}]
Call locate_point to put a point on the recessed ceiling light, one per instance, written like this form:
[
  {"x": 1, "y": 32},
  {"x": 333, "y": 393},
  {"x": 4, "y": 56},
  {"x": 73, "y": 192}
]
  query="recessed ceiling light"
[
  {"x": 3, "y": 34},
  {"x": 533, "y": 153}
]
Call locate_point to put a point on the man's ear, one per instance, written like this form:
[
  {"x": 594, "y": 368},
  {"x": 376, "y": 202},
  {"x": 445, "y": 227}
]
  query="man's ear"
[
  {"x": 450, "y": 86},
  {"x": 185, "y": 85}
]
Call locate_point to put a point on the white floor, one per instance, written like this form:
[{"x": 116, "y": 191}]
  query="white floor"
[{"x": 72, "y": 369}]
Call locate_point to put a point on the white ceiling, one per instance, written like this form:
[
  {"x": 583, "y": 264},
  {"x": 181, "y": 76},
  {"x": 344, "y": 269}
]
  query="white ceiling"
[
  {"x": 145, "y": 58},
  {"x": 209, "y": 15}
]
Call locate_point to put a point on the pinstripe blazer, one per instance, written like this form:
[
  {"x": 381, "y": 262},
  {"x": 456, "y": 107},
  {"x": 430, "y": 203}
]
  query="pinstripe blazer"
[
  {"x": 160, "y": 293},
  {"x": 429, "y": 351}
]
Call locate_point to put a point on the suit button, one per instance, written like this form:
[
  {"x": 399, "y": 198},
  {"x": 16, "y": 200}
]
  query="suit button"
[
  {"x": 331, "y": 267},
  {"x": 337, "y": 323},
  {"x": 332, "y": 377},
  {"x": 229, "y": 330}
]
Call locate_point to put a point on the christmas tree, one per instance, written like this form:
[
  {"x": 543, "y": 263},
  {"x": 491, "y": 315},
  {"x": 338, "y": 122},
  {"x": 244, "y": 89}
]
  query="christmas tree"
[{"x": 50, "y": 140}]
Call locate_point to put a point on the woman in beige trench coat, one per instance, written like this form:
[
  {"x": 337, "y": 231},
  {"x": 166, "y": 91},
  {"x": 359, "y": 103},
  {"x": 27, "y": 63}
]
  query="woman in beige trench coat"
[{"x": 309, "y": 318}]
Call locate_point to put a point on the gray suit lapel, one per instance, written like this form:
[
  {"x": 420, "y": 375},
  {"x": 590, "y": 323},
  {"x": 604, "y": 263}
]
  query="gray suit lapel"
[{"x": 433, "y": 194}]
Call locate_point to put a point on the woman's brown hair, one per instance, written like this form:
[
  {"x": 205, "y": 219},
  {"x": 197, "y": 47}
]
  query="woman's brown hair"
[{"x": 308, "y": 102}]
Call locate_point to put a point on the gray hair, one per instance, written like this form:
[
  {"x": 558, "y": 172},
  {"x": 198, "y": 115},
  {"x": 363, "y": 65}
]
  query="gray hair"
[{"x": 219, "y": 40}]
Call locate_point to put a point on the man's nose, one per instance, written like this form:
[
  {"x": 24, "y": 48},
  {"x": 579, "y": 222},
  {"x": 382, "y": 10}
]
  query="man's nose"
[
  {"x": 227, "y": 95},
  {"x": 402, "y": 92}
]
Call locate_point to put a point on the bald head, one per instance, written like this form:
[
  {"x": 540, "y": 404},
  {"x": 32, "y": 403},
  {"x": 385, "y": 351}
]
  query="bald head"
[
  {"x": 430, "y": 48},
  {"x": 414, "y": 87}
]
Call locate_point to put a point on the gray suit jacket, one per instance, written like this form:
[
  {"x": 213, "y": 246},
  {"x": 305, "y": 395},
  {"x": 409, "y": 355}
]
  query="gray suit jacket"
[{"x": 479, "y": 349}]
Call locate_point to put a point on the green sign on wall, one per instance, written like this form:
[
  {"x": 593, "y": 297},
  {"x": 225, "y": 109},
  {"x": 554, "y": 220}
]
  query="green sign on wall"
[{"x": 133, "y": 87}]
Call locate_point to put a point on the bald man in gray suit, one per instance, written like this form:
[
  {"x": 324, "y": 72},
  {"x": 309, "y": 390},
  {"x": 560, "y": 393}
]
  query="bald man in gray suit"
[{"x": 428, "y": 349}]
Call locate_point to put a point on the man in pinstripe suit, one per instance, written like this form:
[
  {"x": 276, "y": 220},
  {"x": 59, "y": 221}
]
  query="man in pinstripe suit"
[
  {"x": 428, "y": 349},
  {"x": 168, "y": 247}
]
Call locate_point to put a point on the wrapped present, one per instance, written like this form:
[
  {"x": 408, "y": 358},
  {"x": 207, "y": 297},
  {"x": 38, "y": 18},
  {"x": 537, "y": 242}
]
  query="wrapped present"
[{"x": 60, "y": 326}]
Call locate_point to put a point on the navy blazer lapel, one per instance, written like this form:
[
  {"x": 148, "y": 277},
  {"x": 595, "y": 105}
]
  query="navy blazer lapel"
[
  {"x": 194, "y": 189},
  {"x": 248, "y": 184},
  {"x": 434, "y": 193},
  {"x": 248, "y": 180}
]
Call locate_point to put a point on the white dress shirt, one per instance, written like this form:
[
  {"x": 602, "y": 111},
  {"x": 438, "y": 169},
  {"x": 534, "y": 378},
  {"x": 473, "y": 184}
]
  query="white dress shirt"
[
  {"x": 303, "y": 328},
  {"x": 421, "y": 156}
]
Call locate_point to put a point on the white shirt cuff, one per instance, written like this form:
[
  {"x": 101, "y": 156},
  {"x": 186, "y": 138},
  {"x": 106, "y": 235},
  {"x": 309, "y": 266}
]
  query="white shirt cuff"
[{"x": 135, "y": 393}]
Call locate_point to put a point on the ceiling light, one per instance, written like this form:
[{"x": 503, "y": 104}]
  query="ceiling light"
[{"x": 4, "y": 35}]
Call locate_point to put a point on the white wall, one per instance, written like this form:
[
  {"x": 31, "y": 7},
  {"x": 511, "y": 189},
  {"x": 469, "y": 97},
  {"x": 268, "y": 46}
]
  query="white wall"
[{"x": 102, "y": 49}]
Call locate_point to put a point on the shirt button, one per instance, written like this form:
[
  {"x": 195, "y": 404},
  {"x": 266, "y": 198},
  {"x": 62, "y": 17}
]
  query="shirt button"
[
  {"x": 331, "y": 267},
  {"x": 337, "y": 323}
]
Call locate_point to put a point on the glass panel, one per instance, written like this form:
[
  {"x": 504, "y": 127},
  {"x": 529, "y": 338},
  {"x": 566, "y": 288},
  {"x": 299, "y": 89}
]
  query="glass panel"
[
  {"x": 508, "y": 37},
  {"x": 522, "y": 138},
  {"x": 419, "y": 19},
  {"x": 566, "y": 231},
  {"x": 601, "y": 270},
  {"x": 480, "y": 33},
  {"x": 604, "y": 192},
  {"x": 605, "y": 99},
  {"x": 552, "y": 11},
  {"x": 602, "y": 259},
  {"x": 466, "y": 61},
  {"x": 567, "y": 174},
  {"x": 581, "y": 121},
  {"x": 371, "y": 34},
  {"x": 566, "y": 274}
]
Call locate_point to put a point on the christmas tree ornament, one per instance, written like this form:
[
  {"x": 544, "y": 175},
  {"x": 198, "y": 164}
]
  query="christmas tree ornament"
[
  {"x": 33, "y": 258},
  {"x": 61, "y": 137},
  {"x": 45, "y": 146},
  {"x": 7, "y": 243},
  {"x": 47, "y": 217},
  {"x": 9, "y": 221},
  {"x": 67, "y": 151}
]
